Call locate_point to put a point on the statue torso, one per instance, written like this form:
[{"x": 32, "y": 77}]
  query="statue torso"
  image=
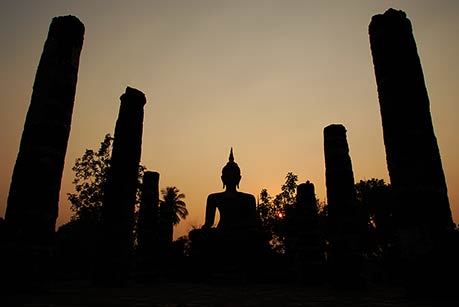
[{"x": 237, "y": 210}]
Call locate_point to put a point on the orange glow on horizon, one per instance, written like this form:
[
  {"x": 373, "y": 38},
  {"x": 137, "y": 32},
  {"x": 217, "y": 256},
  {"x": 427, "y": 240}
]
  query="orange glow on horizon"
[{"x": 263, "y": 77}]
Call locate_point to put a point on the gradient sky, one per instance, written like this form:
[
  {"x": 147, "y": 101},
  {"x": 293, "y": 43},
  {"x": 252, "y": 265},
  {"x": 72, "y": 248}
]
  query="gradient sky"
[{"x": 263, "y": 77}]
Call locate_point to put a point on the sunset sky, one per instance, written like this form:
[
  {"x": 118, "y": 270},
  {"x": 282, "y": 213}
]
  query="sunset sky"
[{"x": 264, "y": 77}]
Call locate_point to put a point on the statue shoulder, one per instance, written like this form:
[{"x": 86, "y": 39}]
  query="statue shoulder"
[
  {"x": 247, "y": 196},
  {"x": 214, "y": 196}
]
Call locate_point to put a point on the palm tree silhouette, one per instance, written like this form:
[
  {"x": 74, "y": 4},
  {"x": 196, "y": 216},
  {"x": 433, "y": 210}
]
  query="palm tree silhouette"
[{"x": 172, "y": 210}]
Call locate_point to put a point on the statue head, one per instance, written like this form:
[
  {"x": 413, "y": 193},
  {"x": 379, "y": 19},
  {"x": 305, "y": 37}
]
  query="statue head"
[{"x": 231, "y": 173}]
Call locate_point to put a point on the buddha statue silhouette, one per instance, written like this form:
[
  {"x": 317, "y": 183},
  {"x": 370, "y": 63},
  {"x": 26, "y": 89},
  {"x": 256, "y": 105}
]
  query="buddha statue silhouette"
[
  {"x": 238, "y": 237},
  {"x": 237, "y": 210}
]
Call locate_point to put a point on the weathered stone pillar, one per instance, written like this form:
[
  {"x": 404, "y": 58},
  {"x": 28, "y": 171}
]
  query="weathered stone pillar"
[
  {"x": 422, "y": 207},
  {"x": 305, "y": 244},
  {"x": 306, "y": 200},
  {"x": 33, "y": 199},
  {"x": 346, "y": 222},
  {"x": 34, "y": 192},
  {"x": 166, "y": 231},
  {"x": 148, "y": 227},
  {"x": 120, "y": 191}
]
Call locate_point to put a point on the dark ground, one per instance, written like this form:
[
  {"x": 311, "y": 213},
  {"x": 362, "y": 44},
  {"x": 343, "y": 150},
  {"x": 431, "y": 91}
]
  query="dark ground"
[{"x": 213, "y": 294}]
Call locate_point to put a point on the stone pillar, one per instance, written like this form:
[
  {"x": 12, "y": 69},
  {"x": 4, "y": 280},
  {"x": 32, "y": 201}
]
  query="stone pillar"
[
  {"x": 33, "y": 199},
  {"x": 306, "y": 241},
  {"x": 34, "y": 192},
  {"x": 166, "y": 231},
  {"x": 422, "y": 207},
  {"x": 120, "y": 191},
  {"x": 306, "y": 200},
  {"x": 148, "y": 227},
  {"x": 346, "y": 222}
]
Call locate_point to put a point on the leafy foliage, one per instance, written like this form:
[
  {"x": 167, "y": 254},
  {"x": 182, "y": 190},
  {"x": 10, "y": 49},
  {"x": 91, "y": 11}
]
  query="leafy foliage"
[
  {"x": 376, "y": 196},
  {"x": 90, "y": 176},
  {"x": 272, "y": 210},
  {"x": 172, "y": 207},
  {"x": 288, "y": 191}
]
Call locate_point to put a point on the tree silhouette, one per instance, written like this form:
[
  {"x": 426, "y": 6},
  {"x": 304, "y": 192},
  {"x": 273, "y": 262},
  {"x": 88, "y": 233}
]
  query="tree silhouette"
[
  {"x": 172, "y": 209},
  {"x": 90, "y": 177},
  {"x": 272, "y": 211},
  {"x": 77, "y": 238},
  {"x": 376, "y": 197},
  {"x": 287, "y": 196}
]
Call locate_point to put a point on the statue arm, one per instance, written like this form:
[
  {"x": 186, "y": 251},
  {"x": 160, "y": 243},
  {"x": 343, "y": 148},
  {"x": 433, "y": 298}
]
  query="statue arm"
[
  {"x": 210, "y": 212},
  {"x": 254, "y": 216}
]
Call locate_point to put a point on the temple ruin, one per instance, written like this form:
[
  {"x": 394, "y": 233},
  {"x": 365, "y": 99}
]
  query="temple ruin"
[
  {"x": 346, "y": 221},
  {"x": 34, "y": 192},
  {"x": 33, "y": 200},
  {"x": 304, "y": 243},
  {"x": 423, "y": 213},
  {"x": 120, "y": 191},
  {"x": 148, "y": 222}
]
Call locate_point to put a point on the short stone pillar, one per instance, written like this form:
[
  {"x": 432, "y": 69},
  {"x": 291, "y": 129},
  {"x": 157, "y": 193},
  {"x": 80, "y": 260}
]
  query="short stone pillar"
[
  {"x": 347, "y": 224},
  {"x": 116, "y": 246},
  {"x": 148, "y": 222},
  {"x": 423, "y": 213},
  {"x": 33, "y": 199},
  {"x": 304, "y": 242}
]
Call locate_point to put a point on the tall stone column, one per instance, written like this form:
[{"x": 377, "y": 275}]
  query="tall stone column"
[
  {"x": 33, "y": 200},
  {"x": 120, "y": 191},
  {"x": 148, "y": 227},
  {"x": 346, "y": 221},
  {"x": 423, "y": 212}
]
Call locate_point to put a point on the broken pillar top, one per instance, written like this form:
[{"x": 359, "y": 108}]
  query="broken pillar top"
[
  {"x": 305, "y": 195},
  {"x": 335, "y": 129},
  {"x": 150, "y": 176},
  {"x": 66, "y": 28},
  {"x": 390, "y": 19},
  {"x": 393, "y": 13},
  {"x": 305, "y": 188},
  {"x": 133, "y": 96}
]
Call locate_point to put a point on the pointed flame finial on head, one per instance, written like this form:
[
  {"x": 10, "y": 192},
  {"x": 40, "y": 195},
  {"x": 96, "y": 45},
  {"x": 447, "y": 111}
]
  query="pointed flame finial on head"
[
  {"x": 231, "y": 173},
  {"x": 231, "y": 156},
  {"x": 231, "y": 166}
]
